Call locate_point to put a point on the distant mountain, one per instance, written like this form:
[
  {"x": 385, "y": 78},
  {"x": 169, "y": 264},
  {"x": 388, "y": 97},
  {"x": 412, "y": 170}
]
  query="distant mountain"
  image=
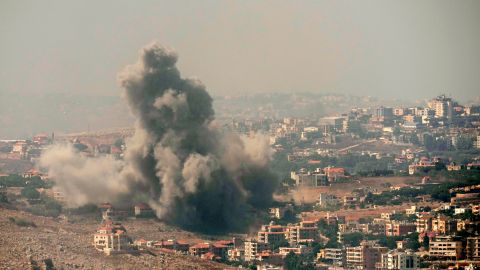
[{"x": 23, "y": 116}]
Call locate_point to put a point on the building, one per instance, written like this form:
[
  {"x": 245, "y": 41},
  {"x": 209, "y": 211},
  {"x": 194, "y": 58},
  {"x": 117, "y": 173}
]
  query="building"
[
  {"x": 199, "y": 249},
  {"x": 309, "y": 179},
  {"x": 384, "y": 113},
  {"x": 421, "y": 166},
  {"x": 271, "y": 234},
  {"x": 396, "y": 228},
  {"x": 330, "y": 124},
  {"x": 351, "y": 201},
  {"x": 326, "y": 199},
  {"x": 252, "y": 248},
  {"x": 334, "y": 174},
  {"x": 112, "y": 238},
  {"x": 444, "y": 225},
  {"x": 398, "y": 260},
  {"x": 473, "y": 248},
  {"x": 336, "y": 255},
  {"x": 365, "y": 256},
  {"x": 424, "y": 223},
  {"x": 173, "y": 245},
  {"x": 461, "y": 199},
  {"x": 279, "y": 212},
  {"x": 442, "y": 106},
  {"x": 284, "y": 251},
  {"x": 303, "y": 233},
  {"x": 445, "y": 247},
  {"x": 236, "y": 254},
  {"x": 143, "y": 210}
]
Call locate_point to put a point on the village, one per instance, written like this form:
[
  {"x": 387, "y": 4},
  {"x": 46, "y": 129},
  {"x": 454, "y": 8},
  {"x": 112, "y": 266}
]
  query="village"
[{"x": 354, "y": 193}]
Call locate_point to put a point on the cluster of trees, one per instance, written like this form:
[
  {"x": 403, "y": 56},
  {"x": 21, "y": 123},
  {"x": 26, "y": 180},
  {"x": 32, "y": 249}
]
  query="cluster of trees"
[
  {"x": 47, "y": 207},
  {"x": 438, "y": 192},
  {"x": 40, "y": 204},
  {"x": 298, "y": 262},
  {"x": 464, "y": 142},
  {"x": 15, "y": 180}
]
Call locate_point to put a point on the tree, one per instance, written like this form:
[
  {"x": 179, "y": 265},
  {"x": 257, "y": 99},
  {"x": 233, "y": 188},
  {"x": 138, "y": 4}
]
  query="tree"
[
  {"x": 292, "y": 261},
  {"x": 352, "y": 239},
  {"x": 30, "y": 193},
  {"x": 295, "y": 262},
  {"x": 119, "y": 142},
  {"x": 429, "y": 142},
  {"x": 426, "y": 242},
  {"x": 464, "y": 142}
]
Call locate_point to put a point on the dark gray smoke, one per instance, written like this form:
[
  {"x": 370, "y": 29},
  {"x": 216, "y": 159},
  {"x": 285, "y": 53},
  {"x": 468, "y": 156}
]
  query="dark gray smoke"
[{"x": 193, "y": 175}]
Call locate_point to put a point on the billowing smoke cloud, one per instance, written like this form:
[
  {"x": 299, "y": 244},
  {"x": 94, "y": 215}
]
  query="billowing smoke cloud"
[{"x": 194, "y": 175}]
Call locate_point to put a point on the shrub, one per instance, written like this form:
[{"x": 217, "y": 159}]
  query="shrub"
[{"x": 22, "y": 222}]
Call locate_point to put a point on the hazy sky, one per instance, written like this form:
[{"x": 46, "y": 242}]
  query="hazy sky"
[{"x": 392, "y": 49}]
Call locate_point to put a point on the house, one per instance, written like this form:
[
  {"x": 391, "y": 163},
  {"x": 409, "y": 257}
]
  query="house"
[
  {"x": 236, "y": 254},
  {"x": 199, "y": 249},
  {"x": 334, "y": 174},
  {"x": 34, "y": 173},
  {"x": 423, "y": 165},
  {"x": 112, "y": 238},
  {"x": 284, "y": 251},
  {"x": 172, "y": 244},
  {"x": 351, "y": 201},
  {"x": 220, "y": 250},
  {"x": 268, "y": 257}
]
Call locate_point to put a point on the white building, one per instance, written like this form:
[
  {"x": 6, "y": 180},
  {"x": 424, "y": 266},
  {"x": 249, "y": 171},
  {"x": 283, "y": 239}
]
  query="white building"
[
  {"x": 398, "y": 260},
  {"x": 112, "y": 238},
  {"x": 309, "y": 179}
]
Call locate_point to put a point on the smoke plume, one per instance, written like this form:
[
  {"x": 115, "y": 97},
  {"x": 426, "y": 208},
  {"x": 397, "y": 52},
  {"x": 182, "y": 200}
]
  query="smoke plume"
[{"x": 192, "y": 174}]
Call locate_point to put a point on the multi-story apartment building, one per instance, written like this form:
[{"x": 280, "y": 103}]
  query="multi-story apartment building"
[
  {"x": 336, "y": 255},
  {"x": 445, "y": 247},
  {"x": 365, "y": 256},
  {"x": 424, "y": 223},
  {"x": 272, "y": 234},
  {"x": 303, "y": 233},
  {"x": 252, "y": 248},
  {"x": 396, "y": 228},
  {"x": 398, "y": 260},
  {"x": 473, "y": 248},
  {"x": 444, "y": 225}
]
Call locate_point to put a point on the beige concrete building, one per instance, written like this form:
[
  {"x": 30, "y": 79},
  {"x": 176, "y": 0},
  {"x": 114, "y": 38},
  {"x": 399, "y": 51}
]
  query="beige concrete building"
[
  {"x": 365, "y": 256},
  {"x": 473, "y": 248},
  {"x": 398, "y": 260},
  {"x": 446, "y": 247},
  {"x": 112, "y": 238}
]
